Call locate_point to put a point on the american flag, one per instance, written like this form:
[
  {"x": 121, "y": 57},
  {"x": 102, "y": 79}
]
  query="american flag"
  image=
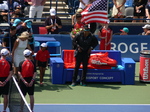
[{"x": 95, "y": 12}]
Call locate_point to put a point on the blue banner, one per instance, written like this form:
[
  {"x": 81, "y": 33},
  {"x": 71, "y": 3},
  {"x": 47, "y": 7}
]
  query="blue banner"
[{"x": 129, "y": 45}]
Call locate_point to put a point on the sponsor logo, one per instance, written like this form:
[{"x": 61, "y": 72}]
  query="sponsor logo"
[
  {"x": 98, "y": 62},
  {"x": 146, "y": 69}
]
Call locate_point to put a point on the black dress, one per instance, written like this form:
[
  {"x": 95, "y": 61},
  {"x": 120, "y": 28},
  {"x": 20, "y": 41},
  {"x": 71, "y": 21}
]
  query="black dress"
[{"x": 142, "y": 10}]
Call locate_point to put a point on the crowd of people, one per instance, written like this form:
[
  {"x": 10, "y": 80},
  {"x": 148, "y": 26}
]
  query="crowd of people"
[
  {"x": 17, "y": 9},
  {"x": 139, "y": 9},
  {"x": 117, "y": 9}
]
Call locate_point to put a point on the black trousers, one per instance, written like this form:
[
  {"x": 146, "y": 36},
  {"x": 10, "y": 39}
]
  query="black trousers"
[{"x": 83, "y": 58}]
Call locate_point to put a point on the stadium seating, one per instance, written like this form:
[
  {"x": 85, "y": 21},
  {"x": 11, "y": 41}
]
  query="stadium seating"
[
  {"x": 124, "y": 72},
  {"x": 129, "y": 14},
  {"x": 42, "y": 30}
]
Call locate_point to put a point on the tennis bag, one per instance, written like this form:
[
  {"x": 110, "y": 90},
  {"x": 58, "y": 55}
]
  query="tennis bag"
[{"x": 98, "y": 60}]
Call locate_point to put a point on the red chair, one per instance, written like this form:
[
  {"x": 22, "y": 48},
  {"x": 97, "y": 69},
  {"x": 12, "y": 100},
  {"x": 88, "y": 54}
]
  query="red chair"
[{"x": 42, "y": 30}]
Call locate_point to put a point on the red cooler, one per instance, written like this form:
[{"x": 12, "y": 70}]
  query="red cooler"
[{"x": 145, "y": 66}]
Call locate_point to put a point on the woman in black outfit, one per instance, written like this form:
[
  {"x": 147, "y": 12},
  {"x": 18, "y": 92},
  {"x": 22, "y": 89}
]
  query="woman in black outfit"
[{"x": 139, "y": 9}]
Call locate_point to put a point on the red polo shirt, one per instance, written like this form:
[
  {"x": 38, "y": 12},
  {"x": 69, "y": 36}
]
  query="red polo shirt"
[
  {"x": 42, "y": 55},
  {"x": 5, "y": 68},
  {"x": 27, "y": 68}
]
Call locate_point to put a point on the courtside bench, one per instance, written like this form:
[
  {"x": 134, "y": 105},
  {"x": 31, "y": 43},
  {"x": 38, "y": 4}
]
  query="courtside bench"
[{"x": 124, "y": 72}]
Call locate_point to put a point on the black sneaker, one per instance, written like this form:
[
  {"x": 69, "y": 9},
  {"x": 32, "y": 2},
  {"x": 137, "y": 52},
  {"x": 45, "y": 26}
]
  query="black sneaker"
[
  {"x": 73, "y": 84},
  {"x": 82, "y": 84}
]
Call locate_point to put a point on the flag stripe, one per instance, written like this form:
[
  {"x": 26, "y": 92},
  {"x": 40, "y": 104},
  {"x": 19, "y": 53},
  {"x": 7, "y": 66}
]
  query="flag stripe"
[
  {"x": 96, "y": 16},
  {"x": 95, "y": 12},
  {"x": 95, "y": 20}
]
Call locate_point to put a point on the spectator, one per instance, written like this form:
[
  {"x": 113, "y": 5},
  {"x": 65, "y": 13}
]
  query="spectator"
[
  {"x": 4, "y": 6},
  {"x": 147, "y": 10},
  {"x": 124, "y": 31},
  {"x": 13, "y": 37},
  {"x": 53, "y": 23},
  {"x": 42, "y": 58},
  {"x": 6, "y": 43},
  {"x": 84, "y": 43},
  {"x": 16, "y": 15},
  {"x": 83, "y": 3},
  {"x": 139, "y": 9},
  {"x": 27, "y": 74},
  {"x": 18, "y": 10},
  {"x": 118, "y": 9},
  {"x": 20, "y": 45},
  {"x": 4, "y": 11},
  {"x": 78, "y": 26},
  {"x": 146, "y": 29},
  {"x": 78, "y": 23},
  {"x": 148, "y": 32},
  {"x": 36, "y": 8},
  {"x": 74, "y": 16},
  {"x": 105, "y": 35},
  {"x": 1, "y": 31},
  {"x": 17, "y": 22},
  {"x": 129, "y": 3},
  {"x": 6, "y": 73},
  {"x": 1, "y": 17},
  {"x": 26, "y": 26}
]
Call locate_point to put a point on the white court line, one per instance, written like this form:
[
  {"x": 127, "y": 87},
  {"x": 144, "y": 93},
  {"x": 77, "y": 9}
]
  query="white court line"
[
  {"x": 96, "y": 104},
  {"x": 92, "y": 104}
]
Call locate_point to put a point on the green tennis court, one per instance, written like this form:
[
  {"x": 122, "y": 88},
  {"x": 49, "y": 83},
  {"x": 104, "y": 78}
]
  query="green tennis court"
[
  {"x": 93, "y": 93},
  {"x": 53, "y": 97}
]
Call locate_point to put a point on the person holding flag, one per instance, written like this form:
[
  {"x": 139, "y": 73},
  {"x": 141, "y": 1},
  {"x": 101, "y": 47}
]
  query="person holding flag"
[{"x": 97, "y": 12}]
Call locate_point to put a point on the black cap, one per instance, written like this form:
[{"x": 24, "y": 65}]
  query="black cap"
[{"x": 86, "y": 28}]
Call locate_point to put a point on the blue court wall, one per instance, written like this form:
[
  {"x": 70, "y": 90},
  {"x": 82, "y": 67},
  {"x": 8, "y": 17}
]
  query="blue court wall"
[{"x": 129, "y": 45}]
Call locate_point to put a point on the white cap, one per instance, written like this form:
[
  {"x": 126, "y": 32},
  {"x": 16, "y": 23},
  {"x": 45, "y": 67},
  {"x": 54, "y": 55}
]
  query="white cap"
[
  {"x": 27, "y": 52},
  {"x": 52, "y": 12},
  {"x": 43, "y": 45},
  {"x": 4, "y": 52},
  {"x": 147, "y": 26}
]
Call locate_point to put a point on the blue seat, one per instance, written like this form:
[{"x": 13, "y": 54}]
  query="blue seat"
[
  {"x": 36, "y": 46},
  {"x": 54, "y": 47}
]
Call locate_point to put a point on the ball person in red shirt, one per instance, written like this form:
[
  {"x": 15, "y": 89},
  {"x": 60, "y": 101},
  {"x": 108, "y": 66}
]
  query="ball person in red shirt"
[
  {"x": 5, "y": 75},
  {"x": 42, "y": 57},
  {"x": 27, "y": 74}
]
